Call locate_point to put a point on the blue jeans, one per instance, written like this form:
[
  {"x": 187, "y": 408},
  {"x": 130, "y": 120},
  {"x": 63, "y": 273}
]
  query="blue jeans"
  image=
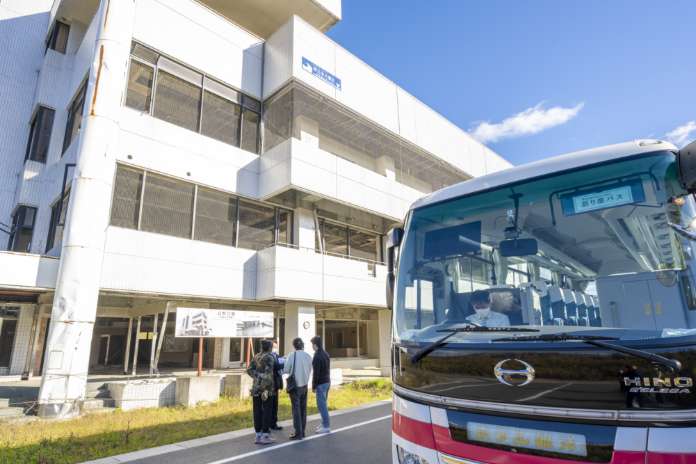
[{"x": 322, "y": 398}]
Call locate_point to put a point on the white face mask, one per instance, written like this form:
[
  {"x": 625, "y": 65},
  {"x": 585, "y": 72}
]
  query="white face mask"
[
  {"x": 483, "y": 312},
  {"x": 275, "y": 349}
]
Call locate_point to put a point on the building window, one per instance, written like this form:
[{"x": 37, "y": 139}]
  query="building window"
[
  {"x": 160, "y": 204},
  {"x": 216, "y": 217},
  {"x": 22, "y": 229},
  {"x": 342, "y": 240},
  {"x": 140, "y": 79},
  {"x": 59, "y": 212},
  {"x": 221, "y": 119},
  {"x": 72, "y": 128},
  {"x": 167, "y": 206},
  {"x": 40, "y": 135},
  {"x": 58, "y": 37},
  {"x": 177, "y": 94},
  {"x": 177, "y": 101},
  {"x": 125, "y": 210},
  {"x": 256, "y": 225}
]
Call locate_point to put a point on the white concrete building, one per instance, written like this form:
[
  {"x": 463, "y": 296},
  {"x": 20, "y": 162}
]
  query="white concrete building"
[{"x": 164, "y": 153}]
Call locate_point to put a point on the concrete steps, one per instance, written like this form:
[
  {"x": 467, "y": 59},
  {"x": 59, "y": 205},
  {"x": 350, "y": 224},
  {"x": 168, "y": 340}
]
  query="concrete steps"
[
  {"x": 91, "y": 404},
  {"x": 97, "y": 398}
]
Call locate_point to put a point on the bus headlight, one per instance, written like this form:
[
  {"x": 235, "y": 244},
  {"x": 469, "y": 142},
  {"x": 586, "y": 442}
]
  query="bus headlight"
[{"x": 406, "y": 457}]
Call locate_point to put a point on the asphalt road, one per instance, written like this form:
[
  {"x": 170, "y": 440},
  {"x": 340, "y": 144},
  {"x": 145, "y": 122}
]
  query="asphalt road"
[{"x": 359, "y": 436}]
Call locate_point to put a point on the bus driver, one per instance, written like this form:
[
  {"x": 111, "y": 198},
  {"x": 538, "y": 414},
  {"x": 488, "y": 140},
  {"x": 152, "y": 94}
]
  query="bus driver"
[{"x": 481, "y": 302}]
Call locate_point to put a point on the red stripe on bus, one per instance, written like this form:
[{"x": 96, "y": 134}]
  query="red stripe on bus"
[
  {"x": 420, "y": 433},
  {"x": 670, "y": 458}
]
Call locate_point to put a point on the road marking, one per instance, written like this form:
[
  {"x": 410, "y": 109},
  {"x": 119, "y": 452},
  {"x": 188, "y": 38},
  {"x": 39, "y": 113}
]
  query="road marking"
[
  {"x": 297, "y": 442},
  {"x": 545, "y": 392}
]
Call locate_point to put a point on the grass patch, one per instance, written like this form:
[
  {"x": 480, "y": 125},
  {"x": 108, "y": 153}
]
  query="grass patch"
[{"x": 100, "y": 435}]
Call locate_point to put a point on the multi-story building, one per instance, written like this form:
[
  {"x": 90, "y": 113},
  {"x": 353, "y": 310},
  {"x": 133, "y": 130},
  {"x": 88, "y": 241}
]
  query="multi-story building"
[{"x": 156, "y": 154}]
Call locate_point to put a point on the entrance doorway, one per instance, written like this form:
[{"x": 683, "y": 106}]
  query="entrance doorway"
[{"x": 8, "y": 331}]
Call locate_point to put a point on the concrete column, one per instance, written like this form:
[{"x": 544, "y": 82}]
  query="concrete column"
[
  {"x": 299, "y": 322},
  {"x": 384, "y": 320},
  {"x": 77, "y": 287},
  {"x": 304, "y": 228}
]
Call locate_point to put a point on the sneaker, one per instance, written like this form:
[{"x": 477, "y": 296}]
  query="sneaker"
[
  {"x": 295, "y": 436},
  {"x": 323, "y": 430},
  {"x": 277, "y": 427},
  {"x": 266, "y": 440},
  {"x": 258, "y": 439}
]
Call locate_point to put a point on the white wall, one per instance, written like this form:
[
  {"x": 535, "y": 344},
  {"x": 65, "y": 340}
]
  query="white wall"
[
  {"x": 191, "y": 33},
  {"x": 371, "y": 94},
  {"x": 153, "y": 263},
  {"x": 23, "y": 27}
]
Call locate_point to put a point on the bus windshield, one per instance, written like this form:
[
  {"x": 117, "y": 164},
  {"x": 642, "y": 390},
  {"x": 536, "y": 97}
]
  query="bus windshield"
[{"x": 591, "y": 251}]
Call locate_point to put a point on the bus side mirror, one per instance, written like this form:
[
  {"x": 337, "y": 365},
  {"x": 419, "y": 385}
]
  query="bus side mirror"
[
  {"x": 686, "y": 160},
  {"x": 394, "y": 237}
]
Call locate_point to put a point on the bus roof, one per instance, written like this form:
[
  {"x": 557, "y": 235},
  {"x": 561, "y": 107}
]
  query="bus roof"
[{"x": 544, "y": 167}]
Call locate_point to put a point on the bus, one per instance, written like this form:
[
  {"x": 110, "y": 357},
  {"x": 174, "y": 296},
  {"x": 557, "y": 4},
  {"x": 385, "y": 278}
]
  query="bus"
[{"x": 547, "y": 313}]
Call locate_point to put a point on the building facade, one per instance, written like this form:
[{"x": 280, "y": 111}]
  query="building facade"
[{"x": 157, "y": 154}]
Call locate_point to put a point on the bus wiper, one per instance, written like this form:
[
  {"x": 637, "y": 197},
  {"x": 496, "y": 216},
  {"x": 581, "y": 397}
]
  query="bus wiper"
[
  {"x": 600, "y": 341},
  {"x": 470, "y": 327}
]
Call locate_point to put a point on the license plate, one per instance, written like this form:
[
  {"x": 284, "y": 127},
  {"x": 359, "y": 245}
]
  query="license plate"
[{"x": 516, "y": 437}]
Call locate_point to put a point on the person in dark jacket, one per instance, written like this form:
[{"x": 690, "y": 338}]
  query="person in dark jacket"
[
  {"x": 261, "y": 370},
  {"x": 278, "y": 377},
  {"x": 321, "y": 382}
]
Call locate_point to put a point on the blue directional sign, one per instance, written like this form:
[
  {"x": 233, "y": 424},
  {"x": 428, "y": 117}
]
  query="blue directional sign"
[{"x": 321, "y": 73}]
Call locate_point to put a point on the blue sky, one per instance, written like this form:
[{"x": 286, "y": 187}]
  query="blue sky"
[{"x": 547, "y": 76}]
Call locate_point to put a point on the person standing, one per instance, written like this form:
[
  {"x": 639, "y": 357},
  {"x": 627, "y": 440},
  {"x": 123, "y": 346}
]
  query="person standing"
[
  {"x": 278, "y": 385},
  {"x": 298, "y": 366},
  {"x": 261, "y": 370},
  {"x": 321, "y": 382}
]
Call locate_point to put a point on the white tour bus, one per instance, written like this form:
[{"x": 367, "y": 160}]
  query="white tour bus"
[{"x": 547, "y": 313}]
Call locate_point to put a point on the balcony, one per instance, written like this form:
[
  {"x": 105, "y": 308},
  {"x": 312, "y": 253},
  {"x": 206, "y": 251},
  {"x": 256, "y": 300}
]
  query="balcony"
[
  {"x": 303, "y": 274},
  {"x": 27, "y": 271},
  {"x": 295, "y": 165}
]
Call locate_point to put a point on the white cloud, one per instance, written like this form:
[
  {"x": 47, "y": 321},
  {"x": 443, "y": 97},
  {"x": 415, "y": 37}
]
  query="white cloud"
[
  {"x": 530, "y": 121},
  {"x": 682, "y": 134}
]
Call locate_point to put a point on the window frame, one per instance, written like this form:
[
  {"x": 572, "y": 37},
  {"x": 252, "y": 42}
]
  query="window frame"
[
  {"x": 34, "y": 140},
  {"x": 196, "y": 186},
  {"x": 52, "y": 37},
  {"x": 207, "y": 84},
  {"x": 81, "y": 94},
  {"x": 11, "y": 242},
  {"x": 59, "y": 213},
  {"x": 350, "y": 228}
]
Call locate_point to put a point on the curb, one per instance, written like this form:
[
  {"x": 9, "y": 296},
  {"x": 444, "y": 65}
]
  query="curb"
[{"x": 164, "y": 449}]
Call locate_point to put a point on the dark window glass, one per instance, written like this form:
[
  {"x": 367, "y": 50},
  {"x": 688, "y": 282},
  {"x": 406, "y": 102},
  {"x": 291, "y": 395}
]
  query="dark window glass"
[
  {"x": 7, "y": 336},
  {"x": 167, "y": 206},
  {"x": 216, "y": 217},
  {"x": 59, "y": 212},
  {"x": 256, "y": 225},
  {"x": 335, "y": 239},
  {"x": 177, "y": 101},
  {"x": 341, "y": 338},
  {"x": 284, "y": 226},
  {"x": 22, "y": 229},
  {"x": 40, "y": 135},
  {"x": 58, "y": 40},
  {"x": 220, "y": 118},
  {"x": 126, "y": 204},
  {"x": 364, "y": 245},
  {"x": 139, "y": 86},
  {"x": 75, "y": 116},
  {"x": 250, "y": 131}
]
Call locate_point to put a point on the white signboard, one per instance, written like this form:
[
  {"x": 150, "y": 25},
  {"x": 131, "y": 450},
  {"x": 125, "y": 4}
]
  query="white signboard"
[{"x": 223, "y": 323}]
